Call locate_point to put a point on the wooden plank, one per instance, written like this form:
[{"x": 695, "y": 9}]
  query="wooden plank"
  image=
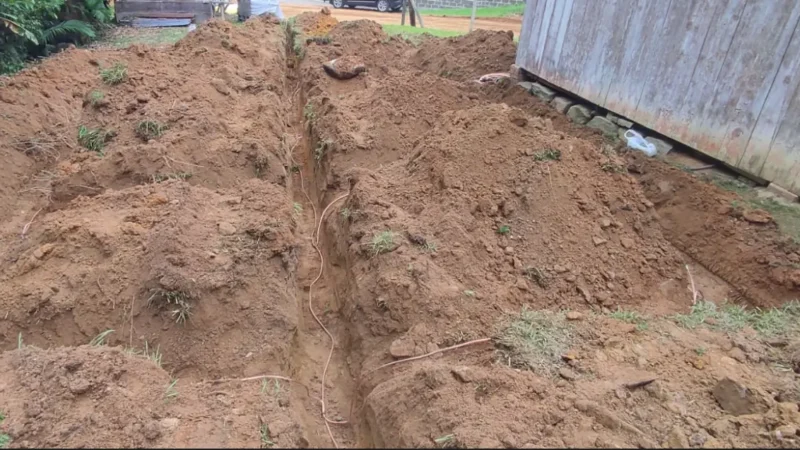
[
  {"x": 531, "y": 63},
  {"x": 758, "y": 46},
  {"x": 567, "y": 72},
  {"x": 642, "y": 42},
  {"x": 685, "y": 31},
  {"x": 553, "y": 30},
  {"x": 780, "y": 121},
  {"x": 547, "y": 19},
  {"x": 707, "y": 69},
  {"x": 615, "y": 52},
  {"x": 526, "y": 33},
  {"x": 563, "y": 27},
  {"x": 605, "y": 44}
]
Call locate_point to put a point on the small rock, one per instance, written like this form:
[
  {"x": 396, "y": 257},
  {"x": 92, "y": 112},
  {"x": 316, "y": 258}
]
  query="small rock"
[
  {"x": 567, "y": 374},
  {"x": 677, "y": 438},
  {"x": 785, "y": 431},
  {"x": 42, "y": 251},
  {"x": 713, "y": 443},
  {"x": 79, "y": 386},
  {"x": 698, "y": 439},
  {"x": 278, "y": 427},
  {"x": 579, "y": 114},
  {"x": 526, "y": 85},
  {"x": 225, "y": 228},
  {"x": 462, "y": 374},
  {"x": 720, "y": 427},
  {"x": 560, "y": 269},
  {"x": 605, "y": 222},
  {"x": 542, "y": 91},
  {"x": 151, "y": 430},
  {"x": 574, "y": 315},
  {"x": 757, "y": 216},
  {"x": 402, "y": 348},
  {"x": 561, "y": 104},
  {"x": 737, "y": 354},
  {"x": 599, "y": 240},
  {"x": 601, "y": 123},
  {"x": 737, "y": 399},
  {"x": 170, "y": 423},
  {"x": 220, "y": 86},
  {"x": 142, "y": 98},
  {"x": 509, "y": 250},
  {"x": 626, "y": 242}
]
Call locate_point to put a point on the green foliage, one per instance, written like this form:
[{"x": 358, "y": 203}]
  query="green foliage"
[
  {"x": 536, "y": 340},
  {"x": 4, "y": 438},
  {"x": 93, "y": 139},
  {"x": 550, "y": 154},
  {"x": 731, "y": 318},
  {"x": 149, "y": 129},
  {"x": 382, "y": 242},
  {"x": 28, "y": 28},
  {"x": 504, "y": 230},
  {"x": 115, "y": 74}
]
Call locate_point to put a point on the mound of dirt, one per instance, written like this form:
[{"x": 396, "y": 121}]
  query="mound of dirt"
[
  {"x": 467, "y": 57},
  {"x": 315, "y": 24},
  {"x": 102, "y": 397}
]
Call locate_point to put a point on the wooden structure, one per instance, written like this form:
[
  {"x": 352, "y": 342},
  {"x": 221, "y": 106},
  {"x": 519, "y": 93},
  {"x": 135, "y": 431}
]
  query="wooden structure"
[
  {"x": 198, "y": 10},
  {"x": 721, "y": 76}
]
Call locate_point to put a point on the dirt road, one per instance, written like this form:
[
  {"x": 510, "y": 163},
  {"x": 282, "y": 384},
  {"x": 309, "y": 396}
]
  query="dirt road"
[{"x": 438, "y": 23}]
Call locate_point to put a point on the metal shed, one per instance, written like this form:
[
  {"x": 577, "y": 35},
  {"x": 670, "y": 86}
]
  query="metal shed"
[
  {"x": 198, "y": 10},
  {"x": 721, "y": 76}
]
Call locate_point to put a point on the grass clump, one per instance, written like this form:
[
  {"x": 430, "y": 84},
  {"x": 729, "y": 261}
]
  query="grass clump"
[
  {"x": 414, "y": 34},
  {"x": 297, "y": 208},
  {"x": 488, "y": 11},
  {"x": 322, "y": 147},
  {"x": 266, "y": 439},
  {"x": 308, "y": 112},
  {"x": 150, "y": 129},
  {"x": 550, "y": 154},
  {"x": 178, "y": 303},
  {"x": 536, "y": 275},
  {"x": 504, "y": 230},
  {"x": 161, "y": 177},
  {"x": 446, "y": 441},
  {"x": 96, "y": 97},
  {"x": 172, "y": 391},
  {"x": 100, "y": 339},
  {"x": 93, "y": 139},
  {"x": 382, "y": 242},
  {"x": 115, "y": 74},
  {"x": 631, "y": 317},
  {"x": 5, "y": 439},
  {"x": 536, "y": 340},
  {"x": 731, "y": 318}
]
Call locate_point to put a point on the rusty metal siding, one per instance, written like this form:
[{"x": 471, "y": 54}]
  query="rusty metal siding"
[{"x": 722, "y": 76}]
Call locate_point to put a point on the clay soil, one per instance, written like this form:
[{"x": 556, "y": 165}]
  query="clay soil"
[{"x": 170, "y": 290}]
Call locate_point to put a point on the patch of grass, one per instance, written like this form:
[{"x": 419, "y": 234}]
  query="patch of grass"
[
  {"x": 322, "y": 147},
  {"x": 345, "y": 213},
  {"x": 536, "y": 340},
  {"x": 115, "y": 74},
  {"x": 150, "y": 129},
  {"x": 178, "y": 303},
  {"x": 489, "y": 11},
  {"x": 613, "y": 168},
  {"x": 297, "y": 208},
  {"x": 100, "y": 339},
  {"x": 161, "y": 177},
  {"x": 319, "y": 40},
  {"x": 95, "y": 97},
  {"x": 537, "y": 276},
  {"x": 382, "y": 242},
  {"x": 550, "y": 154},
  {"x": 273, "y": 387},
  {"x": 700, "y": 351},
  {"x": 127, "y": 36},
  {"x": 172, "y": 391},
  {"x": 469, "y": 293},
  {"x": 5, "y": 439},
  {"x": 294, "y": 36},
  {"x": 504, "y": 230},
  {"x": 446, "y": 441},
  {"x": 429, "y": 247},
  {"x": 631, "y": 317},
  {"x": 308, "y": 113},
  {"x": 731, "y": 318},
  {"x": 93, "y": 139},
  {"x": 152, "y": 354},
  {"x": 415, "y": 34},
  {"x": 266, "y": 439}
]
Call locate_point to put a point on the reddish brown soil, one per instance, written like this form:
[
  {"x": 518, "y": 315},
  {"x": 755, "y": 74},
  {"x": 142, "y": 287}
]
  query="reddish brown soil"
[{"x": 491, "y": 203}]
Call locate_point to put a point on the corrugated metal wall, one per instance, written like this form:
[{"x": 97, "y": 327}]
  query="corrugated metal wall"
[{"x": 721, "y": 76}]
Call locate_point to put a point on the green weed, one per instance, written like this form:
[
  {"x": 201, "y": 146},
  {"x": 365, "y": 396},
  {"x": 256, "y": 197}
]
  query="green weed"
[
  {"x": 550, "y": 154},
  {"x": 382, "y": 242},
  {"x": 266, "y": 439},
  {"x": 322, "y": 147},
  {"x": 447, "y": 441},
  {"x": 178, "y": 303},
  {"x": 297, "y": 208},
  {"x": 171, "y": 391},
  {"x": 732, "y": 318},
  {"x": 93, "y": 139},
  {"x": 95, "y": 97},
  {"x": 115, "y": 74},
  {"x": 537, "y": 276},
  {"x": 504, "y": 230},
  {"x": 5, "y": 439},
  {"x": 613, "y": 168},
  {"x": 700, "y": 351},
  {"x": 161, "y": 177},
  {"x": 536, "y": 340},
  {"x": 631, "y": 317},
  {"x": 150, "y": 129},
  {"x": 100, "y": 339},
  {"x": 345, "y": 213},
  {"x": 308, "y": 113}
]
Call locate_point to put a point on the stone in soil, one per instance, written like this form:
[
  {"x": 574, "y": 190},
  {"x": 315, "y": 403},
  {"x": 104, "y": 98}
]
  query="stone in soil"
[
  {"x": 344, "y": 68},
  {"x": 738, "y": 399},
  {"x": 561, "y": 104},
  {"x": 542, "y": 91},
  {"x": 606, "y": 126},
  {"x": 579, "y": 114}
]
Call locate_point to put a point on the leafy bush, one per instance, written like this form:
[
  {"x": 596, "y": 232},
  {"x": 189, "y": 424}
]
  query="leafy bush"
[{"x": 30, "y": 28}]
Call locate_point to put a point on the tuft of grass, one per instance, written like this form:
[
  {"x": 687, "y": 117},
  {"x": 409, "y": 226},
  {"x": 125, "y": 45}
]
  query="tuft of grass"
[
  {"x": 5, "y": 439},
  {"x": 123, "y": 37},
  {"x": 550, "y": 154},
  {"x": 297, "y": 208},
  {"x": 152, "y": 354},
  {"x": 178, "y": 303},
  {"x": 537, "y": 276},
  {"x": 536, "y": 340},
  {"x": 382, "y": 242},
  {"x": 415, "y": 34},
  {"x": 345, "y": 213},
  {"x": 469, "y": 293},
  {"x": 266, "y": 439},
  {"x": 93, "y": 139},
  {"x": 319, "y": 40},
  {"x": 613, "y": 168},
  {"x": 504, "y": 230},
  {"x": 429, "y": 247},
  {"x": 446, "y": 441},
  {"x": 631, "y": 317},
  {"x": 95, "y": 97},
  {"x": 700, "y": 351},
  {"x": 161, "y": 177},
  {"x": 115, "y": 74},
  {"x": 100, "y": 339},
  {"x": 322, "y": 147},
  {"x": 273, "y": 387},
  {"x": 308, "y": 113},
  {"x": 150, "y": 129},
  {"x": 171, "y": 391},
  {"x": 731, "y": 318},
  {"x": 295, "y": 37}
]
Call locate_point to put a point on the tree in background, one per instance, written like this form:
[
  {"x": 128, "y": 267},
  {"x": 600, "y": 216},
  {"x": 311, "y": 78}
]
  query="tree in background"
[{"x": 30, "y": 28}]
